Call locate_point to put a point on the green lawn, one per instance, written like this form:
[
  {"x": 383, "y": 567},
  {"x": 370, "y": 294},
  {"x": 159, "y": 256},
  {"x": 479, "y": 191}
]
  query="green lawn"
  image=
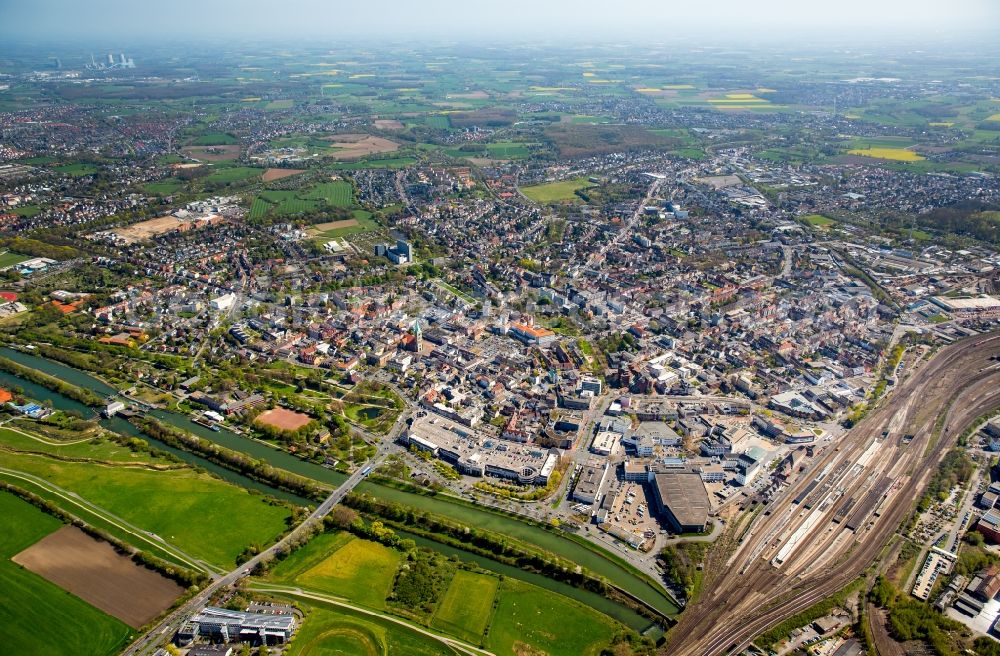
[
  {"x": 338, "y": 193},
  {"x": 27, "y": 210},
  {"x": 233, "y": 174},
  {"x": 508, "y": 150},
  {"x": 215, "y": 139},
  {"x": 818, "y": 220},
  {"x": 386, "y": 163},
  {"x": 556, "y": 192},
  {"x": 10, "y": 259},
  {"x": 280, "y": 104},
  {"x": 365, "y": 224},
  {"x": 342, "y": 565},
  {"x": 77, "y": 170},
  {"x": 164, "y": 187},
  {"x": 332, "y": 631},
  {"x": 438, "y": 121},
  {"x": 207, "y": 517},
  {"x": 467, "y": 606},
  {"x": 30, "y": 603},
  {"x": 547, "y": 622}
]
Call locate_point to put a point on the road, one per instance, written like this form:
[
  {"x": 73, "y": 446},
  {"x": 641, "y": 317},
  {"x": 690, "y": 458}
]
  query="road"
[
  {"x": 796, "y": 554},
  {"x": 156, "y": 634},
  {"x": 595, "y": 258}
]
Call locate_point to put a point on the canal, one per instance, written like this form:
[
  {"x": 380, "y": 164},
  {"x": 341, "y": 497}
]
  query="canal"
[{"x": 591, "y": 558}]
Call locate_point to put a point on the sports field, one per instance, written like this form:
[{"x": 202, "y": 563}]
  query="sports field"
[
  {"x": 8, "y": 259},
  {"x": 530, "y": 620},
  {"x": 818, "y": 220},
  {"x": 556, "y": 192},
  {"x": 362, "y": 222},
  {"x": 342, "y": 565},
  {"x": 467, "y": 606},
  {"x": 95, "y": 572},
  {"x": 30, "y": 602},
  {"x": 284, "y": 419},
  {"x": 179, "y": 505}
]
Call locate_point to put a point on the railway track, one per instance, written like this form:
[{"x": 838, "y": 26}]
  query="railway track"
[{"x": 957, "y": 385}]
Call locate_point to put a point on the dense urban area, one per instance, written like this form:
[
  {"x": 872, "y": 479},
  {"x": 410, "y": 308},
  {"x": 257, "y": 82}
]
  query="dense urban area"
[{"x": 499, "y": 351}]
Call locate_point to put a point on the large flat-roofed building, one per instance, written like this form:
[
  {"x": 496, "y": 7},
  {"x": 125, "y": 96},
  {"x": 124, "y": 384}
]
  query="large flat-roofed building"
[
  {"x": 238, "y": 626},
  {"x": 591, "y": 480},
  {"x": 681, "y": 497},
  {"x": 474, "y": 454},
  {"x": 980, "y": 307}
]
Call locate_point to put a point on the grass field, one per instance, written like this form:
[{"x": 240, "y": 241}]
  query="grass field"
[
  {"x": 556, "y": 192},
  {"x": 27, "y": 210},
  {"x": 332, "y": 631},
  {"x": 10, "y": 259},
  {"x": 342, "y": 565},
  {"x": 467, "y": 606},
  {"x": 164, "y": 187},
  {"x": 215, "y": 139},
  {"x": 338, "y": 193},
  {"x": 438, "y": 121},
  {"x": 384, "y": 163},
  {"x": 818, "y": 220},
  {"x": 30, "y": 602},
  {"x": 508, "y": 150},
  {"x": 362, "y": 222},
  {"x": 895, "y": 154},
  {"x": 77, "y": 170},
  {"x": 233, "y": 174},
  {"x": 180, "y": 505},
  {"x": 549, "y": 624},
  {"x": 280, "y": 104}
]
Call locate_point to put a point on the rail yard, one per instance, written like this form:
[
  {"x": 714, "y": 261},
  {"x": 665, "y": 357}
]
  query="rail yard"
[{"x": 833, "y": 521}]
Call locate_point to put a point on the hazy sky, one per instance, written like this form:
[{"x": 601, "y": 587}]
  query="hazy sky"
[{"x": 559, "y": 20}]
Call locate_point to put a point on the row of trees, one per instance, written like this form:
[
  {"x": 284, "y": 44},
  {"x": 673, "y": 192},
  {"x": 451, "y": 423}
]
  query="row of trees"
[
  {"x": 85, "y": 396},
  {"x": 258, "y": 470}
]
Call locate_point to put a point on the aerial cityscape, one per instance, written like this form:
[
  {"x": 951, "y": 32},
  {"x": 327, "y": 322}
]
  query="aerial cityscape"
[{"x": 545, "y": 329}]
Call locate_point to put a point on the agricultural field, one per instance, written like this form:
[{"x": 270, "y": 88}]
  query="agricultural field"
[
  {"x": 556, "y": 192},
  {"x": 530, "y": 620},
  {"x": 212, "y": 153},
  {"x": 355, "y": 146},
  {"x": 277, "y": 174},
  {"x": 332, "y": 631},
  {"x": 280, "y": 104},
  {"x": 895, "y": 154},
  {"x": 467, "y": 607},
  {"x": 342, "y": 565},
  {"x": 375, "y": 163},
  {"x": 94, "y": 571},
  {"x": 31, "y": 602},
  {"x": 178, "y": 504},
  {"x": 214, "y": 139},
  {"x": 438, "y": 121}
]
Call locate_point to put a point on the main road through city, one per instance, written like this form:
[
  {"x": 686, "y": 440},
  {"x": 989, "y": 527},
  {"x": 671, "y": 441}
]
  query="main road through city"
[{"x": 834, "y": 519}]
